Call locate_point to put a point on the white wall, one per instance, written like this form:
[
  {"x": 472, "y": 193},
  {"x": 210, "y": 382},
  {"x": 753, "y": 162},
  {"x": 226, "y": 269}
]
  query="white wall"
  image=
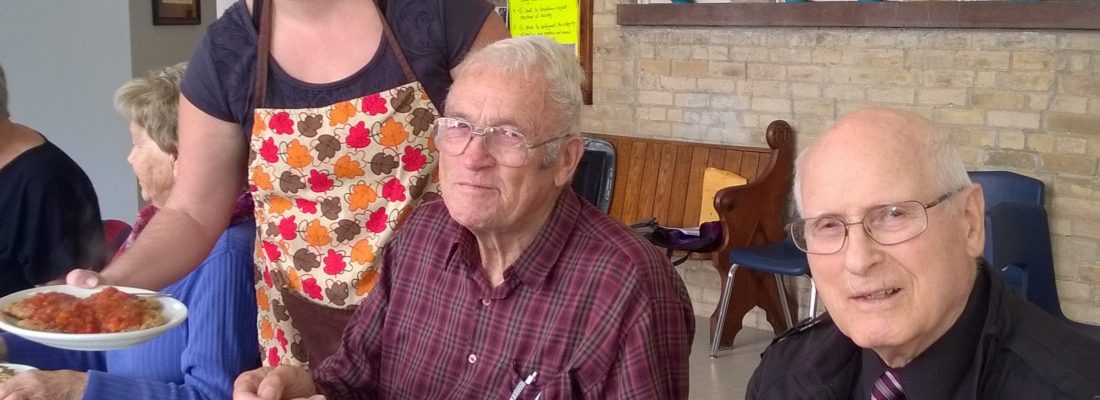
[
  {"x": 162, "y": 45},
  {"x": 64, "y": 59},
  {"x": 223, "y": 4}
]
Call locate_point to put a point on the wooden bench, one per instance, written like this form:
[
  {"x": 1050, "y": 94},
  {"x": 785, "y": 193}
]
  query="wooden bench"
[{"x": 663, "y": 179}]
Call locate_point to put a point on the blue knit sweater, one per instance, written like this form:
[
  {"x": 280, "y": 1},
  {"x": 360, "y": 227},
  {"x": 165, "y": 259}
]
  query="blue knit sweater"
[{"x": 198, "y": 359}]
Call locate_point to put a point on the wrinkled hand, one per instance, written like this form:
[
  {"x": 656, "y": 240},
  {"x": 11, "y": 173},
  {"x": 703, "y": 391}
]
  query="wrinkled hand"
[
  {"x": 44, "y": 385},
  {"x": 83, "y": 278},
  {"x": 279, "y": 383}
]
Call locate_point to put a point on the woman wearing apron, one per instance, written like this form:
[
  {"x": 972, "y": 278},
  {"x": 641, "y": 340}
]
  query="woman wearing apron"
[{"x": 334, "y": 167}]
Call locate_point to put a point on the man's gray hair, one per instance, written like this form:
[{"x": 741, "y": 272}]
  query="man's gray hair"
[
  {"x": 4, "y": 113},
  {"x": 946, "y": 167},
  {"x": 539, "y": 58}
]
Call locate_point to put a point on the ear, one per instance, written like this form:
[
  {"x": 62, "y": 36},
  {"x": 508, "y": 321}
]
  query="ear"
[
  {"x": 568, "y": 158},
  {"x": 974, "y": 220}
]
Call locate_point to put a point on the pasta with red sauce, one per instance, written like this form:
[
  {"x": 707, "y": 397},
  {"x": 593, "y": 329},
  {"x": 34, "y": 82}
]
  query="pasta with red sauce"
[{"x": 107, "y": 311}]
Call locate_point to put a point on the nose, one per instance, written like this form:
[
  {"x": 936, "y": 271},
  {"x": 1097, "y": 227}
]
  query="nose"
[
  {"x": 861, "y": 252},
  {"x": 130, "y": 157},
  {"x": 477, "y": 154}
]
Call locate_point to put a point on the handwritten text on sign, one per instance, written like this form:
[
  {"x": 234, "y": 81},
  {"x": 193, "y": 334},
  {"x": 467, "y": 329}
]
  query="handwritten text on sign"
[{"x": 558, "y": 19}]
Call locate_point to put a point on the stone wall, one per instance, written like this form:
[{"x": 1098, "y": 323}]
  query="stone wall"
[{"x": 1026, "y": 101}]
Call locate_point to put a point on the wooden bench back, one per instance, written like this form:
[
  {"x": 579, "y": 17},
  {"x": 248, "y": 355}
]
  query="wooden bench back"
[
  {"x": 752, "y": 214},
  {"x": 664, "y": 179}
]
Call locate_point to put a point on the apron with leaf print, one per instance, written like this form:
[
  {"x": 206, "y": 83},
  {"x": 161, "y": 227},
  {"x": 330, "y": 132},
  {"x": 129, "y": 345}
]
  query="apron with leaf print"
[{"x": 331, "y": 184}]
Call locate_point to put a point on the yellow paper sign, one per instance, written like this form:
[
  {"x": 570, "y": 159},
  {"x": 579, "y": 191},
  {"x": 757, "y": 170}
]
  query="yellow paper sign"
[{"x": 557, "y": 19}]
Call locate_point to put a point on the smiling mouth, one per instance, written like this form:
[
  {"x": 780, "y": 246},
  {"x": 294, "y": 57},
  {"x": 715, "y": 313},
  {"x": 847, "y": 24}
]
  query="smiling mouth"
[{"x": 881, "y": 294}]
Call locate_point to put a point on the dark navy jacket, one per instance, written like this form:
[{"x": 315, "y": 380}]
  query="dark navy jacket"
[{"x": 1023, "y": 353}]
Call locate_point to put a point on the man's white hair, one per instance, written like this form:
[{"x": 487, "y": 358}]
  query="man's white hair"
[{"x": 538, "y": 58}]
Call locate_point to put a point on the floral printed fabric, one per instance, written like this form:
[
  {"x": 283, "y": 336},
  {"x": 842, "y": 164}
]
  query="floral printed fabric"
[{"x": 331, "y": 185}]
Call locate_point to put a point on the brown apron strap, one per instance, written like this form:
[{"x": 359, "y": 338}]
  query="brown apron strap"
[
  {"x": 409, "y": 74},
  {"x": 263, "y": 52}
]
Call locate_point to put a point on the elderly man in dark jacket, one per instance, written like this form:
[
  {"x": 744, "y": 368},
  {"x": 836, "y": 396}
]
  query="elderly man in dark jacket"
[{"x": 892, "y": 228}]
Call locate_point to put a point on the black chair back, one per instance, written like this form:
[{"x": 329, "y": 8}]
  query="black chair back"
[{"x": 595, "y": 174}]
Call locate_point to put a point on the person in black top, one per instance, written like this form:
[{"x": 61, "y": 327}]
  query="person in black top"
[
  {"x": 893, "y": 229},
  {"x": 49, "y": 214}
]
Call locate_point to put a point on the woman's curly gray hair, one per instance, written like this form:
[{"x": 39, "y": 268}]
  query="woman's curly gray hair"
[{"x": 152, "y": 102}]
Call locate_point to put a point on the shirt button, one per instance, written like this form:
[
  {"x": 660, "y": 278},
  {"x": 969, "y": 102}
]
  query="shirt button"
[
  {"x": 486, "y": 302},
  {"x": 472, "y": 358}
]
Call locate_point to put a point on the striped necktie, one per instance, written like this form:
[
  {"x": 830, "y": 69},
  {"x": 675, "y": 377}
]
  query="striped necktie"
[{"x": 887, "y": 387}]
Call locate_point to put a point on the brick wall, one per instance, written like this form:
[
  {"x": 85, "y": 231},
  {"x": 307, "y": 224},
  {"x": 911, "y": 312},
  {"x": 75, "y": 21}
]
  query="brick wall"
[{"x": 1027, "y": 101}]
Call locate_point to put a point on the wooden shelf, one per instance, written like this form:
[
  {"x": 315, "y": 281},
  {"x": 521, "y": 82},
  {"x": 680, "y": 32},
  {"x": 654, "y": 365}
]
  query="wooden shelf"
[{"x": 1075, "y": 14}]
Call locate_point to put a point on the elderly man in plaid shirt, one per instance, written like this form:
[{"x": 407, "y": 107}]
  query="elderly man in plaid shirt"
[{"x": 512, "y": 287}]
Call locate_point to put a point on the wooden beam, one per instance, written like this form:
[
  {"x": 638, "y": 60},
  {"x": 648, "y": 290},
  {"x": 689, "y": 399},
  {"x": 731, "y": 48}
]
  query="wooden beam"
[{"x": 923, "y": 14}]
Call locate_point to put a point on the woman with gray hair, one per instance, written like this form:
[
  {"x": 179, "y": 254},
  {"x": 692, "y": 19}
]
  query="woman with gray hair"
[
  {"x": 199, "y": 358},
  {"x": 49, "y": 214}
]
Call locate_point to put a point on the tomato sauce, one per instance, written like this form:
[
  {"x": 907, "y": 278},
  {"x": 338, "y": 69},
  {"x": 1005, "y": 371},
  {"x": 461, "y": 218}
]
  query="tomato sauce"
[
  {"x": 117, "y": 311},
  {"x": 107, "y": 311}
]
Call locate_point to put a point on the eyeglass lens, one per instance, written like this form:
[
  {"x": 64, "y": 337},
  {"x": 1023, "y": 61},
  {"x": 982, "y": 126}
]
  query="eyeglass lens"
[
  {"x": 507, "y": 147},
  {"x": 887, "y": 225}
]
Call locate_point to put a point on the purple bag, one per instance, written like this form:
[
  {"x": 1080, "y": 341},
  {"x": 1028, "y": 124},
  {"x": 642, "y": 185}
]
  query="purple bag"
[{"x": 708, "y": 239}]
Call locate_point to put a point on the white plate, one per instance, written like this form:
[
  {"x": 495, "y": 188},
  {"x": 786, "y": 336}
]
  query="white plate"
[
  {"x": 174, "y": 313},
  {"x": 17, "y": 368}
]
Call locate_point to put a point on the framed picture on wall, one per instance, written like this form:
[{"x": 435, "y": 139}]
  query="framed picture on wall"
[{"x": 176, "y": 12}]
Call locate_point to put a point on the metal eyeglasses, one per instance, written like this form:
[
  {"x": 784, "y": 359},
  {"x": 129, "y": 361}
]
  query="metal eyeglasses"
[
  {"x": 887, "y": 224},
  {"x": 508, "y": 147}
]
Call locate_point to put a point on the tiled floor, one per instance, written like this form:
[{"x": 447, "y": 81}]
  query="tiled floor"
[{"x": 726, "y": 376}]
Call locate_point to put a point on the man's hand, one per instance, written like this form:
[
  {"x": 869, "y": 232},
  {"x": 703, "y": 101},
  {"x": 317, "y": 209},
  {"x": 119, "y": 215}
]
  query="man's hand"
[
  {"x": 44, "y": 385},
  {"x": 280, "y": 383},
  {"x": 83, "y": 278}
]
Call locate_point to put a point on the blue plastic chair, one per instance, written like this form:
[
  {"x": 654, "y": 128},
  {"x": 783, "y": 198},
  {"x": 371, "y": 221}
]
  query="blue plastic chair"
[
  {"x": 1017, "y": 235},
  {"x": 1020, "y": 249},
  {"x": 1001, "y": 186},
  {"x": 781, "y": 258}
]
